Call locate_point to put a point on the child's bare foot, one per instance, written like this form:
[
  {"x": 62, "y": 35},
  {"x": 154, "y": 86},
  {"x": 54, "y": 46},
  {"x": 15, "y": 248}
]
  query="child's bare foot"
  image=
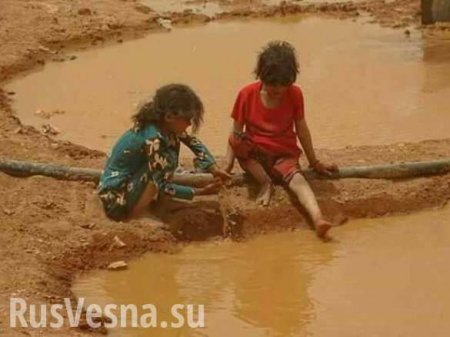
[
  {"x": 322, "y": 228},
  {"x": 264, "y": 195}
]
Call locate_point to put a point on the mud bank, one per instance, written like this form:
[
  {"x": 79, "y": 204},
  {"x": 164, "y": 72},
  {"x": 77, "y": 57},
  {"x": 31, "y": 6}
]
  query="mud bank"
[{"x": 53, "y": 230}]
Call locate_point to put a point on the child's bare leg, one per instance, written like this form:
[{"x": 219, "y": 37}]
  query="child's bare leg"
[
  {"x": 263, "y": 179},
  {"x": 305, "y": 195},
  {"x": 147, "y": 197}
]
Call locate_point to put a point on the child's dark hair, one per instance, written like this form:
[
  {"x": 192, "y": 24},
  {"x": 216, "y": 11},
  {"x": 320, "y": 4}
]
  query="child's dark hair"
[
  {"x": 277, "y": 64},
  {"x": 176, "y": 99}
]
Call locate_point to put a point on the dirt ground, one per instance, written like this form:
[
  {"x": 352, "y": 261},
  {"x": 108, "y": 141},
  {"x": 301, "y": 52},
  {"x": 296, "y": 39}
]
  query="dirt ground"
[{"x": 53, "y": 230}]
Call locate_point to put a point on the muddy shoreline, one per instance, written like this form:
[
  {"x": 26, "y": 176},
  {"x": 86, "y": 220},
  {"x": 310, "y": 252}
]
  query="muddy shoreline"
[{"x": 53, "y": 230}]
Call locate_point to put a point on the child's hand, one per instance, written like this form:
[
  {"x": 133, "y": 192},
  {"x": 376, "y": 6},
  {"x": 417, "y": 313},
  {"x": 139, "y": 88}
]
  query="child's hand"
[
  {"x": 211, "y": 188},
  {"x": 219, "y": 173},
  {"x": 325, "y": 169}
]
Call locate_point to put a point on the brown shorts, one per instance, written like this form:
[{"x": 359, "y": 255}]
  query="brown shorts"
[{"x": 279, "y": 167}]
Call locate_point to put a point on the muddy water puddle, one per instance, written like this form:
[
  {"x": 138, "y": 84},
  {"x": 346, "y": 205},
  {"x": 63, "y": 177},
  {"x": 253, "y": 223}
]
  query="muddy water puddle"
[
  {"x": 363, "y": 84},
  {"x": 380, "y": 277}
]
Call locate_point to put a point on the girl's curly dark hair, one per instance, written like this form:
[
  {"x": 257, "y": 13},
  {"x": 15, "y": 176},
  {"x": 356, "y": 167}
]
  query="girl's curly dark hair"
[
  {"x": 277, "y": 64},
  {"x": 176, "y": 99}
]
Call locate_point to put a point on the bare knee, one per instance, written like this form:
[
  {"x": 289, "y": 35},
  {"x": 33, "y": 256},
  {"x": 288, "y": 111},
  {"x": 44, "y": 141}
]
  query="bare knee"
[{"x": 297, "y": 181}]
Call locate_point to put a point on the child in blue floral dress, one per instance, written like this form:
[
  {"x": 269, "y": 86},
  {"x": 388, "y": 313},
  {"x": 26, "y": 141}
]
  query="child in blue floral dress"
[{"x": 144, "y": 159}]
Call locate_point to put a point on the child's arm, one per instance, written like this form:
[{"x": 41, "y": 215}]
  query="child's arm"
[
  {"x": 162, "y": 176},
  {"x": 185, "y": 192},
  {"x": 229, "y": 157},
  {"x": 204, "y": 160},
  {"x": 304, "y": 136}
]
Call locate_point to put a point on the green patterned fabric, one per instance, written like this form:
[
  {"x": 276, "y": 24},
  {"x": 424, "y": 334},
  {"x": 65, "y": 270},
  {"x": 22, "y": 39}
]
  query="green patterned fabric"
[{"x": 142, "y": 155}]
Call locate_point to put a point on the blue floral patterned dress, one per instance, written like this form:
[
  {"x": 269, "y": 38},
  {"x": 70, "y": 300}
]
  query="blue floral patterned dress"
[{"x": 144, "y": 155}]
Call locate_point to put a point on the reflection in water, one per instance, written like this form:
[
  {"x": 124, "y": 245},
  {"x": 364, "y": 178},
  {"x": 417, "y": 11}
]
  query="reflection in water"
[
  {"x": 391, "y": 279},
  {"x": 363, "y": 84},
  {"x": 436, "y": 53},
  {"x": 258, "y": 288},
  {"x": 272, "y": 287},
  {"x": 380, "y": 277}
]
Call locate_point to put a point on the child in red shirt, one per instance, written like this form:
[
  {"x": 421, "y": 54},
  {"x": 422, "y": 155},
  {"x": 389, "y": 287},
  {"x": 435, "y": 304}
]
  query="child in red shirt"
[{"x": 268, "y": 118}]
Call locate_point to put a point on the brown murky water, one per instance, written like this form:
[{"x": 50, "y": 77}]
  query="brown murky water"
[
  {"x": 380, "y": 277},
  {"x": 363, "y": 84}
]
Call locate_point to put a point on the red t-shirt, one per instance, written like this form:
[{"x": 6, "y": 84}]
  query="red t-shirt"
[{"x": 270, "y": 129}]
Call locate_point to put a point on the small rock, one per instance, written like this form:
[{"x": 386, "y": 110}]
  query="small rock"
[
  {"x": 407, "y": 32},
  {"x": 47, "y": 50},
  {"x": 11, "y": 93},
  {"x": 49, "y": 129},
  {"x": 41, "y": 113},
  {"x": 165, "y": 23},
  {"x": 117, "y": 243},
  {"x": 73, "y": 57},
  {"x": 118, "y": 265},
  {"x": 7, "y": 211},
  {"x": 88, "y": 226},
  {"x": 84, "y": 11},
  {"x": 142, "y": 8},
  {"x": 19, "y": 130}
]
